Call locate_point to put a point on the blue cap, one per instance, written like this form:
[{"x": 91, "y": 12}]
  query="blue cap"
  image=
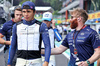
[{"x": 30, "y": 5}]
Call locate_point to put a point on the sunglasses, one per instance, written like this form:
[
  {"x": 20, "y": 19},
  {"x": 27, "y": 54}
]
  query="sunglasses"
[{"x": 72, "y": 17}]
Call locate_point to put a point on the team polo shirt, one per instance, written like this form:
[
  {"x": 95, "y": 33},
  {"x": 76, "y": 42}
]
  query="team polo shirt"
[
  {"x": 6, "y": 30},
  {"x": 86, "y": 41},
  {"x": 43, "y": 30}
]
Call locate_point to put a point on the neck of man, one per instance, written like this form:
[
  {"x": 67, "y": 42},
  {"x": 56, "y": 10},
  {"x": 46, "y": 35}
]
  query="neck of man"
[
  {"x": 30, "y": 20},
  {"x": 14, "y": 20},
  {"x": 79, "y": 27}
]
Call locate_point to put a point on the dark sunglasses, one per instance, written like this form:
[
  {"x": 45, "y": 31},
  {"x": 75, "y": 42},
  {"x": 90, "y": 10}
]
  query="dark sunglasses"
[{"x": 72, "y": 17}]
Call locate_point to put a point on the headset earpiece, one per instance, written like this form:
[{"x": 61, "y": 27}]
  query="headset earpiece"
[
  {"x": 79, "y": 18},
  {"x": 12, "y": 15}
]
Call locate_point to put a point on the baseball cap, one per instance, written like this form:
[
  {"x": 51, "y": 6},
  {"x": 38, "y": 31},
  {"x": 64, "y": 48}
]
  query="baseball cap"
[
  {"x": 29, "y": 4},
  {"x": 47, "y": 16}
]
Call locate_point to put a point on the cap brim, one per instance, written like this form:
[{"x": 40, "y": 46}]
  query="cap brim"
[{"x": 46, "y": 19}]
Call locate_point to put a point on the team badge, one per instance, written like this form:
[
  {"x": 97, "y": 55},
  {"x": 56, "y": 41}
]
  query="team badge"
[{"x": 82, "y": 33}]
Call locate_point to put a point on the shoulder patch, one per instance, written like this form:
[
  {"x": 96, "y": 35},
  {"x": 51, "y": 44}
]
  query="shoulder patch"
[{"x": 38, "y": 22}]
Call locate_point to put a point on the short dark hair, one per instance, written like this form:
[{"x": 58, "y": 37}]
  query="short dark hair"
[{"x": 18, "y": 8}]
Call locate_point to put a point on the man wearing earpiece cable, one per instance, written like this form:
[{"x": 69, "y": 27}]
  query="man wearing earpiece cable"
[
  {"x": 83, "y": 42},
  {"x": 6, "y": 31},
  {"x": 26, "y": 38}
]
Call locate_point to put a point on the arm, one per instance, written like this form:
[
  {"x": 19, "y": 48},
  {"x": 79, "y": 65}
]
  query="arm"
[
  {"x": 95, "y": 56},
  {"x": 55, "y": 51},
  {"x": 95, "y": 41},
  {"x": 46, "y": 40},
  {"x": 3, "y": 32},
  {"x": 56, "y": 33},
  {"x": 13, "y": 46},
  {"x": 58, "y": 50},
  {"x": 2, "y": 41},
  {"x": 92, "y": 59},
  {"x": 64, "y": 46}
]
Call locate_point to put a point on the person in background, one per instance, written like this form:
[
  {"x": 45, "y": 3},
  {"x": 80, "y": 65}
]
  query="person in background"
[
  {"x": 60, "y": 29},
  {"x": 53, "y": 34},
  {"x": 83, "y": 42},
  {"x": 26, "y": 38},
  {"x": 6, "y": 31}
]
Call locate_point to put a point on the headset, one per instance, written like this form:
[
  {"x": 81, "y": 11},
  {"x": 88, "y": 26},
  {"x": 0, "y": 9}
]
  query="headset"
[{"x": 13, "y": 12}]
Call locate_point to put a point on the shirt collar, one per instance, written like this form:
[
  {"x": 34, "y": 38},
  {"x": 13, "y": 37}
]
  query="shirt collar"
[{"x": 29, "y": 22}]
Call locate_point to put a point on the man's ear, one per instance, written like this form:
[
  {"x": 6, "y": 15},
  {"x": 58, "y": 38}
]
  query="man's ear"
[
  {"x": 79, "y": 18},
  {"x": 34, "y": 12}
]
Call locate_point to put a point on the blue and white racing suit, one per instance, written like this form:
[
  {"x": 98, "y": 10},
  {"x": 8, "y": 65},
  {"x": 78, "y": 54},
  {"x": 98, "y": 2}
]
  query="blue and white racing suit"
[{"x": 26, "y": 38}]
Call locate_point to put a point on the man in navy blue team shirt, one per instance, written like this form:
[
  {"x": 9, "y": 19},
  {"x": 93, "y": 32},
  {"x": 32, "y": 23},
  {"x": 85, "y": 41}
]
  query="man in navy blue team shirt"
[
  {"x": 83, "y": 42},
  {"x": 6, "y": 31},
  {"x": 26, "y": 38}
]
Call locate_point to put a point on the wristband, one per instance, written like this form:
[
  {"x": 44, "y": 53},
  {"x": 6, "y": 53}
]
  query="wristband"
[
  {"x": 4, "y": 42},
  {"x": 88, "y": 62}
]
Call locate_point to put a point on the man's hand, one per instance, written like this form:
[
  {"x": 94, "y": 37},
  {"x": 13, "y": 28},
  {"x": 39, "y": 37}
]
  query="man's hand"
[
  {"x": 53, "y": 24},
  {"x": 83, "y": 63},
  {"x": 45, "y": 63}
]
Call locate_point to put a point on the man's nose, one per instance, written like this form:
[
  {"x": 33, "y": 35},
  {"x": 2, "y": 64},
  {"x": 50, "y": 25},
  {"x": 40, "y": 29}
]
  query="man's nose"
[{"x": 26, "y": 14}]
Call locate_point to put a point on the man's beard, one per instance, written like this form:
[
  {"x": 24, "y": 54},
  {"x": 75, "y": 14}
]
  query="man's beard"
[{"x": 73, "y": 24}]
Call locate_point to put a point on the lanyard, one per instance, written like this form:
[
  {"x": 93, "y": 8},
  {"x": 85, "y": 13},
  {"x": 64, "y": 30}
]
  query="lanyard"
[{"x": 75, "y": 50}]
